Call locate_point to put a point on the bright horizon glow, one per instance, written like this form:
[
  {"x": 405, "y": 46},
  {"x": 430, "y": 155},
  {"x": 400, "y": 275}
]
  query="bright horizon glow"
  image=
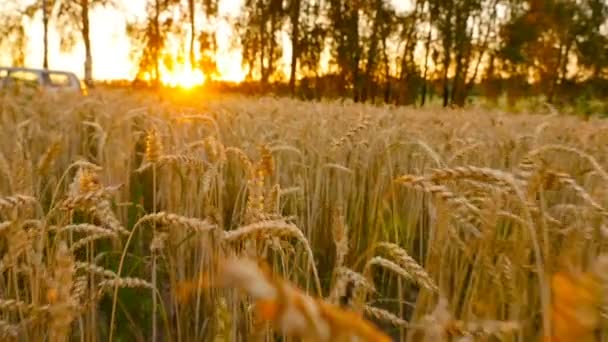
[{"x": 183, "y": 76}]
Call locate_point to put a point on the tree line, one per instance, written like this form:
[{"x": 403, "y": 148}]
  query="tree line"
[{"x": 368, "y": 50}]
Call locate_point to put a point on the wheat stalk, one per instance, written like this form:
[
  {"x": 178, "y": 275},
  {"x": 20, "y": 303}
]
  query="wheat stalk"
[
  {"x": 364, "y": 123},
  {"x": 169, "y": 220},
  {"x": 84, "y": 242},
  {"x": 385, "y": 316},
  {"x": 88, "y": 199},
  {"x": 8, "y": 330},
  {"x": 125, "y": 282},
  {"x": 594, "y": 163},
  {"x": 179, "y": 160},
  {"x": 82, "y": 228},
  {"x": 63, "y": 305},
  {"x": 418, "y": 274},
  {"x": 95, "y": 269},
  {"x": 17, "y": 201}
]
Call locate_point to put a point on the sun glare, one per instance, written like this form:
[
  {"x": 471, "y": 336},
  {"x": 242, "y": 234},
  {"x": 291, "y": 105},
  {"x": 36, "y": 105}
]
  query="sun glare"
[{"x": 183, "y": 76}]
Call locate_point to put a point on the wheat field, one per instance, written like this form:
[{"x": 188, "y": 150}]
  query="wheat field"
[{"x": 129, "y": 217}]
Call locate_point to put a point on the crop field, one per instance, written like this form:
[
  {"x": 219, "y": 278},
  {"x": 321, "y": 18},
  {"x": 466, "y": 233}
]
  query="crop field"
[{"x": 127, "y": 217}]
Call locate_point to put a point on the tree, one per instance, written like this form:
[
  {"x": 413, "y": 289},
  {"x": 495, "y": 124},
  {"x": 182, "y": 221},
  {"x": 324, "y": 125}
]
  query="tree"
[
  {"x": 294, "y": 17},
  {"x": 45, "y": 25},
  {"x": 463, "y": 43},
  {"x": 311, "y": 42},
  {"x": 208, "y": 48},
  {"x": 13, "y": 37},
  {"x": 258, "y": 30},
  {"x": 592, "y": 45},
  {"x": 382, "y": 17},
  {"x": 205, "y": 39},
  {"x": 192, "y": 15},
  {"x": 47, "y": 8},
  {"x": 346, "y": 46},
  {"x": 150, "y": 36},
  {"x": 72, "y": 20},
  {"x": 540, "y": 40}
]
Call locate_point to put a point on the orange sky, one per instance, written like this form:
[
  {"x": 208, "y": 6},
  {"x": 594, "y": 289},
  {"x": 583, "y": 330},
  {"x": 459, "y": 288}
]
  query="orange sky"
[{"x": 112, "y": 50}]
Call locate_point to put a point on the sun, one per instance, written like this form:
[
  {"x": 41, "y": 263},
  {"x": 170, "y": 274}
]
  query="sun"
[{"x": 183, "y": 76}]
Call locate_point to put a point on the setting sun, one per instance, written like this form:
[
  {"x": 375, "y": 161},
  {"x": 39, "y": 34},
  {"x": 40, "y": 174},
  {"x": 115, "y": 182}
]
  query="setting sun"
[{"x": 184, "y": 76}]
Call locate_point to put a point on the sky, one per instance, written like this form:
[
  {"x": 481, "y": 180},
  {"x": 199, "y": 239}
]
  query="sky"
[{"x": 112, "y": 50}]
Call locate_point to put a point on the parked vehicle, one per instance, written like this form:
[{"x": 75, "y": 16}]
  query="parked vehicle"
[{"x": 46, "y": 80}]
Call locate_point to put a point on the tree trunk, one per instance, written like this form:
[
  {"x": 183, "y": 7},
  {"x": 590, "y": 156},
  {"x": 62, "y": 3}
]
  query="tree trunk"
[
  {"x": 446, "y": 87},
  {"x": 405, "y": 74},
  {"x": 426, "y": 66},
  {"x": 273, "y": 45},
  {"x": 263, "y": 47},
  {"x": 484, "y": 47},
  {"x": 564, "y": 65},
  {"x": 156, "y": 45},
  {"x": 88, "y": 60},
  {"x": 555, "y": 77},
  {"x": 357, "y": 55},
  {"x": 387, "y": 73},
  {"x": 460, "y": 43},
  {"x": 295, "y": 44},
  {"x": 371, "y": 54},
  {"x": 45, "y": 24},
  {"x": 192, "y": 33},
  {"x": 447, "y": 54}
]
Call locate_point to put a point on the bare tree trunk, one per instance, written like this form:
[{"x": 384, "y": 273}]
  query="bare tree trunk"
[
  {"x": 387, "y": 73},
  {"x": 448, "y": 42},
  {"x": 156, "y": 44},
  {"x": 263, "y": 47},
  {"x": 483, "y": 49},
  {"x": 357, "y": 55},
  {"x": 88, "y": 61},
  {"x": 192, "y": 33},
  {"x": 426, "y": 66},
  {"x": 295, "y": 44},
  {"x": 446, "y": 87},
  {"x": 368, "y": 79},
  {"x": 273, "y": 46},
  {"x": 460, "y": 42},
  {"x": 555, "y": 78},
  {"x": 45, "y": 24},
  {"x": 564, "y": 65}
]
